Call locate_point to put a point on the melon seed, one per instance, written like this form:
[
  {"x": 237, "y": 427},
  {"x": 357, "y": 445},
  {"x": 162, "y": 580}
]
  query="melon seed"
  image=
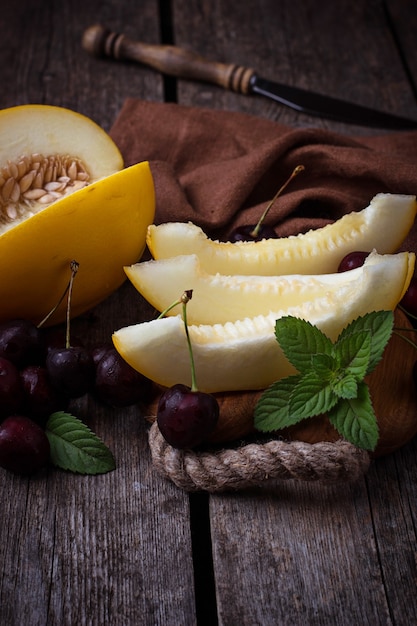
[{"x": 32, "y": 182}]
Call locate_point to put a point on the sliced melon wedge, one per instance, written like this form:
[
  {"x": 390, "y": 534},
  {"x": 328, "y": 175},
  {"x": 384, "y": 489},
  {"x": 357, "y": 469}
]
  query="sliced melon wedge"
[
  {"x": 383, "y": 226},
  {"x": 218, "y": 299},
  {"x": 245, "y": 355}
]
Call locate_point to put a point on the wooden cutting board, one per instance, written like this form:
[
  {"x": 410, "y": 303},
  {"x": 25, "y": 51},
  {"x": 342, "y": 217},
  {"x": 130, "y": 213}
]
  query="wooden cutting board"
[{"x": 393, "y": 393}]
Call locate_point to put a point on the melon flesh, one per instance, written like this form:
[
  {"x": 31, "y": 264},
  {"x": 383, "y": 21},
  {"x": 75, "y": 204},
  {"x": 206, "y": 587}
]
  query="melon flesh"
[
  {"x": 383, "y": 226},
  {"x": 244, "y": 355},
  {"x": 52, "y": 150},
  {"x": 44, "y": 129},
  {"x": 218, "y": 299}
]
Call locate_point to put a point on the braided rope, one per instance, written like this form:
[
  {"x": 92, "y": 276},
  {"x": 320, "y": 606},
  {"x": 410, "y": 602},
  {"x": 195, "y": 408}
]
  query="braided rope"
[{"x": 252, "y": 464}]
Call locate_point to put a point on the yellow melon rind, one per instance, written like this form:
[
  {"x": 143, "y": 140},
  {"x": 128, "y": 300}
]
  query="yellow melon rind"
[{"x": 102, "y": 227}]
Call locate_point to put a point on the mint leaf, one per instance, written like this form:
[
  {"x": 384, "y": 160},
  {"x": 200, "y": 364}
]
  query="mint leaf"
[
  {"x": 75, "y": 447},
  {"x": 271, "y": 411},
  {"x": 345, "y": 386},
  {"x": 299, "y": 340},
  {"x": 331, "y": 377},
  {"x": 380, "y": 325},
  {"x": 355, "y": 419},
  {"x": 324, "y": 365},
  {"x": 312, "y": 396},
  {"x": 353, "y": 352}
]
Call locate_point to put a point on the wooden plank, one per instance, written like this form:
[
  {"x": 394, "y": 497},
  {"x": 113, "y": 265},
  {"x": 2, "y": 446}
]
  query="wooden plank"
[
  {"x": 291, "y": 553},
  {"x": 323, "y": 48},
  {"x": 392, "y": 492},
  {"x": 113, "y": 549},
  {"x": 401, "y": 17},
  {"x": 307, "y": 556}
]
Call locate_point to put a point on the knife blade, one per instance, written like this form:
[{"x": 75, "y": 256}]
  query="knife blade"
[{"x": 173, "y": 61}]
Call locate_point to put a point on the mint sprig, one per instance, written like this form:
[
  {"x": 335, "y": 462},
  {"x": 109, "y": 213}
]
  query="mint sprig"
[
  {"x": 330, "y": 379},
  {"x": 75, "y": 447}
]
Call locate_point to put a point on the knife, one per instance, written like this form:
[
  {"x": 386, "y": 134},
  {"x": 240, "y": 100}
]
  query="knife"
[{"x": 171, "y": 60}]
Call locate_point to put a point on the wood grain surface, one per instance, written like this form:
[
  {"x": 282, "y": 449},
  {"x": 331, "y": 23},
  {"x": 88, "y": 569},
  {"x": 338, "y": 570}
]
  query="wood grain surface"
[{"x": 128, "y": 548}]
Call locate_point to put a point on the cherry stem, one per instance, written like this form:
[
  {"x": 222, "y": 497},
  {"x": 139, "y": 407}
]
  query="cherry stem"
[
  {"x": 186, "y": 297},
  {"x": 296, "y": 171},
  {"x": 52, "y": 311},
  {"x": 414, "y": 317},
  {"x": 409, "y": 341},
  {"x": 168, "y": 309},
  {"x": 74, "y": 269}
]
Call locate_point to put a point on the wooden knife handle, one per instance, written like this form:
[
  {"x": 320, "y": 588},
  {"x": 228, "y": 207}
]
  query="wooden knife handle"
[{"x": 171, "y": 60}]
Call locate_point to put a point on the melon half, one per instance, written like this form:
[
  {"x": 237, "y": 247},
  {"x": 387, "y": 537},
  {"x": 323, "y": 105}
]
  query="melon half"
[{"x": 65, "y": 195}]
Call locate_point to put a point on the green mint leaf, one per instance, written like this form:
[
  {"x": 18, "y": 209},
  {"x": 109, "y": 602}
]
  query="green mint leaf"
[
  {"x": 312, "y": 396},
  {"x": 299, "y": 340},
  {"x": 380, "y": 325},
  {"x": 75, "y": 447},
  {"x": 355, "y": 419},
  {"x": 345, "y": 386},
  {"x": 353, "y": 352},
  {"x": 271, "y": 411},
  {"x": 323, "y": 365}
]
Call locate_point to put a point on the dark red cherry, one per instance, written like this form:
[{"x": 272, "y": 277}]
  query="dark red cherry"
[
  {"x": 24, "y": 446},
  {"x": 40, "y": 396},
  {"x": 100, "y": 351},
  {"x": 21, "y": 342},
  {"x": 248, "y": 233},
  {"x": 409, "y": 299},
  {"x": 71, "y": 370},
  {"x": 117, "y": 383},
  {"x": 11, "y": 390},
  {"x": 186, "y": 418},
  {"x": 352, "y": 260}
]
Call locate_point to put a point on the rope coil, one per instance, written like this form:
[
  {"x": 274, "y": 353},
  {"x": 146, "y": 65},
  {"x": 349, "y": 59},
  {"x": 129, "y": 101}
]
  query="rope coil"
[{"x": 253, "y": 464}]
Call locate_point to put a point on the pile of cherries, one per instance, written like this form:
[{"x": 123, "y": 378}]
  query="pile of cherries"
[{"x": 41, "y": 374}]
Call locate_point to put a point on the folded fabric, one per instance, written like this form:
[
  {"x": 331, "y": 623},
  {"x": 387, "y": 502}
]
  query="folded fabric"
[{"x": 219, "y": 169}]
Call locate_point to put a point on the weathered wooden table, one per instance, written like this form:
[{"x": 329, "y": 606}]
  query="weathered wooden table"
[{"x": 129, "y": 548}]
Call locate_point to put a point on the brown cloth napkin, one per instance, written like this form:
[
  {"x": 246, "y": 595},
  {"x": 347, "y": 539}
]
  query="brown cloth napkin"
[{"x": 219, "y": 169}]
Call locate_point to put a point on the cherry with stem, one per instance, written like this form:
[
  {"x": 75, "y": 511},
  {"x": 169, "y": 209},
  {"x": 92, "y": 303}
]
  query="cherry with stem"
[
  {"x": 260, "y": 230},
  {"x": 71, "y": 368},
  {"x": 185, "y": 415}
]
